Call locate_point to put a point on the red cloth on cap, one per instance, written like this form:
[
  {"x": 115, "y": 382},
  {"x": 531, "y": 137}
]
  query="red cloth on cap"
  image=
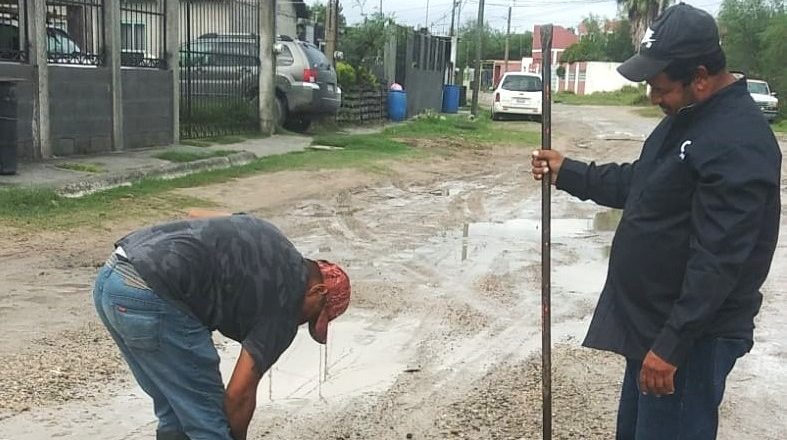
[{"x": 337, "y": 298}]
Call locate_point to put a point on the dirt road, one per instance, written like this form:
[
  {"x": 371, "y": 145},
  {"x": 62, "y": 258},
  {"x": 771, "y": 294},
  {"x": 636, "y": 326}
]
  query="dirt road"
[{"x": 442, "y": 339}]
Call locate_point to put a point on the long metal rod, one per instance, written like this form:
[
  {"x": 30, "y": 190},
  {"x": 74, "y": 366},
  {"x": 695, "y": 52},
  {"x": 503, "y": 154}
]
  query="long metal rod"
[{"x": 546, "y": 234}]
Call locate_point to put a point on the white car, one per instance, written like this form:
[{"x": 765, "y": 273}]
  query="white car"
[
  {"x": 518, "y": 93},
  {"x": 762, "y": 95}
]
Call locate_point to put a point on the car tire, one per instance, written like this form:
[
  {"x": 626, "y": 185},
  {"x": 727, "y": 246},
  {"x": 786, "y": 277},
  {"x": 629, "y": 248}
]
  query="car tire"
[
  {"x": 280, "y": 110},
  {"x": 495, "y": 116},
  {"x": 298, "y": 123}
]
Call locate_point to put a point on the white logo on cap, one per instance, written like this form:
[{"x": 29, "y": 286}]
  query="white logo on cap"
[{"x": 648, "y": 39}]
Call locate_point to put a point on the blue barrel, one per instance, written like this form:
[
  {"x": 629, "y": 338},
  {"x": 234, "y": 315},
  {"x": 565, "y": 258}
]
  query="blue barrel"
[
  {"x": 450, "y": 98},
  {"x": 397, "y": 105}
]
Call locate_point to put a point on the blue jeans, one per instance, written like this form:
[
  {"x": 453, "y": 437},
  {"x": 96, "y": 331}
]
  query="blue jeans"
[
  {"x": 171, "y": 355},
  {"x": 692, "y": 413}
]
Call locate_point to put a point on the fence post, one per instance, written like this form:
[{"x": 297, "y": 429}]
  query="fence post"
[
  {"x": 37, "y": 38},
  {"x": 112, "y": 61},
  {"x": 172, "y": 24}
]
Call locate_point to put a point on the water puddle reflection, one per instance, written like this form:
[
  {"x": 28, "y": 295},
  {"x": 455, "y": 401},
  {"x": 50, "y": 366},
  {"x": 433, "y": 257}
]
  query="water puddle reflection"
[{"x": 526, "y": 231}]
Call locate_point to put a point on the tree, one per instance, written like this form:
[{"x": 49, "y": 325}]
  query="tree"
[
  {"x": 619, "y": 47},
  {"x": 521, "y": 44},
  {"x": 317, "y": 13},
  {"x": 364, "y": 43},
  {"x": 742, "y": 24},
  {"x": 641, "y": 13},
  {"x": 599, "y": 44},
  {"x": 754, "y": 37}
]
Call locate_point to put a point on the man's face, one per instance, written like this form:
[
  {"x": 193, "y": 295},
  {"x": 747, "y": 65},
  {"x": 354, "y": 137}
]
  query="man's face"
[{"x": 670, "y": 95}]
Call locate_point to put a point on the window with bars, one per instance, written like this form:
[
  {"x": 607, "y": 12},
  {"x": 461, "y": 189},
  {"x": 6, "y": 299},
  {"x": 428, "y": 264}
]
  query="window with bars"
[
  {"x": 13, "y": 31},
  {"x": 143, "y": 33},
  {"x": 132, "y": 37},
  {"x": 75, "y": 32}
]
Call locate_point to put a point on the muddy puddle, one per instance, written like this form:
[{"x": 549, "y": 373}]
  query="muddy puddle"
[{"x": 363, "y": 355}]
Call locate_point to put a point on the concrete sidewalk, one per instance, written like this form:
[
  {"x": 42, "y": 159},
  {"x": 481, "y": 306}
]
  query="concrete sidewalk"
[{"x": 123, "y": 168}]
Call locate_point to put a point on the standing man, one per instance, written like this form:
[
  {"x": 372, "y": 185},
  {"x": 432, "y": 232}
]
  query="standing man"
[
  {"x": 699, "y": 228},
  {"x": 166, "y": 288}
]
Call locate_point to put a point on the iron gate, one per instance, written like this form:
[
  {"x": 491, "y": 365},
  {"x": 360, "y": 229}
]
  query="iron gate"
[{"x": 219, "y": 67}]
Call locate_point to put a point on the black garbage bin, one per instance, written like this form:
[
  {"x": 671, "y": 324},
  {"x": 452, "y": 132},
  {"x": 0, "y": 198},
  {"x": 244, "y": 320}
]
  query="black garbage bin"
[{"x": 8, "y": 122}]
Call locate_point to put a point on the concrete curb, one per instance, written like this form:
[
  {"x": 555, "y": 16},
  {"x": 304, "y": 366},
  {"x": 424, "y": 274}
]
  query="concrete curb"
[{"x": 95, "y": 184}]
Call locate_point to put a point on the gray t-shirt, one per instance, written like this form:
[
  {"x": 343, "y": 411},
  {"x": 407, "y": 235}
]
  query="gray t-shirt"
[{"x": 238, "y": 274}]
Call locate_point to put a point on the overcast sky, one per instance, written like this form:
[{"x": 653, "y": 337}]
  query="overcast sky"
[{"x": 525, "y": 13}]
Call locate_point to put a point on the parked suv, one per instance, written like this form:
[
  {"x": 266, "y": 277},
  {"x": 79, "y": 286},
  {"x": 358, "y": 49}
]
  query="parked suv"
[
  {"x": 228, "y": 64},
  {"x": 59, "y": 43},
  {"x": 762, "y": 95}
]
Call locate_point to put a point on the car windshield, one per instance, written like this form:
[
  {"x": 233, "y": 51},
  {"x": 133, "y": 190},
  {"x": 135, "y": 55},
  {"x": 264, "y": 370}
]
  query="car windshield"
[
  {"x": 758, "y": 88},
  {"x": 60, "y": 42},
  {"x": 521, "y": 83}
]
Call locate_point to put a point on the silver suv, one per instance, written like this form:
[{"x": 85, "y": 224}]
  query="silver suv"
[{"x": 228, "y": 64}]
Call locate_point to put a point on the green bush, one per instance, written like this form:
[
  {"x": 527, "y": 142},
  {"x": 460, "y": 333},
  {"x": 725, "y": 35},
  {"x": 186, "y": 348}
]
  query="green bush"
[
  {"x": 346, "y": 75},
  {"x": 365, "y": 77},
  {"x": 628, "y": 95}
]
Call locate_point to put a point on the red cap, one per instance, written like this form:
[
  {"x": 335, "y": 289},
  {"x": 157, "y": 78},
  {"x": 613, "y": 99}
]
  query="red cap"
[{"x": 337, "y": 299}]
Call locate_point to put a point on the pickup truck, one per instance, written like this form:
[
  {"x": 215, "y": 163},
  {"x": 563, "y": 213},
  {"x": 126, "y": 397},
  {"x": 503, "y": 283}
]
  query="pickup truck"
[{"x": 762, "y": 95}]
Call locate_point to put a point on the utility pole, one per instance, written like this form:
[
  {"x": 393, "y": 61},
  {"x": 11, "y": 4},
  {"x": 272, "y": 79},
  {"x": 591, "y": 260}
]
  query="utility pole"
[
  {"x": 454, "y": 42},
  {"x": 426, "y": 23},
  {"x": 508, "y": 42},
  {"x": 267, "y": 100},
  {"x": 330, "y": 31},
  {"x": 478, "y": 55}
]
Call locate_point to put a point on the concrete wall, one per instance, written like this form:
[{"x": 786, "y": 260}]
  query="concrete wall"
[
  {"x": 80, "y": 110},
  {"x": 24, "y": 95},
  {"x": 286, "y": 19},
  {"x": 604, "y": 77},
  {"x": 147, "y": 107}
]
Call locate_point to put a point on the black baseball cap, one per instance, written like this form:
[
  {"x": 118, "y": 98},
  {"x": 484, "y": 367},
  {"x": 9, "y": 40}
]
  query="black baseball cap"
[{"x": 681, "y": 32}]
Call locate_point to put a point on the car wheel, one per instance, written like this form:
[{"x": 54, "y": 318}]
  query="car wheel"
[
  {"x": 495, "y": 116},
  {"x": 298, "y": 123},
  {"x": 280, "y": 114}
]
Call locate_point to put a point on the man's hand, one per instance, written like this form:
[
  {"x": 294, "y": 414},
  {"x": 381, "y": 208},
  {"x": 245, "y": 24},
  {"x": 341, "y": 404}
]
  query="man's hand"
[
  {"x": 656, "y": 376},
  {"x": 240, "y": 400},
  {"x": 545, "y": 161}
]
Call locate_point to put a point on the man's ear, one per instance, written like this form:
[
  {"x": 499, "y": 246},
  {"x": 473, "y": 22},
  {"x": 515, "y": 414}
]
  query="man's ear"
[
  {"x": 318, "y": 289},
  {"x": 701, "y": 83}
]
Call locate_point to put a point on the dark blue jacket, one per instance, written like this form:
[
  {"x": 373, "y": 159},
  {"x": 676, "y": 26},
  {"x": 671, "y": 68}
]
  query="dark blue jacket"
[{"x": 700, "y": 223}]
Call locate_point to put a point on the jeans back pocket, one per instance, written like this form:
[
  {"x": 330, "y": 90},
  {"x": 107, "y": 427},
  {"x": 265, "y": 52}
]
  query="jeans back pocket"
[{"x": 140, "y": 329}]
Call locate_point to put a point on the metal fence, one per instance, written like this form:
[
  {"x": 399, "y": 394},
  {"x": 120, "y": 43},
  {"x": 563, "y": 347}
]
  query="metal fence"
[
  {"x": 13, "y": 31},
  {"x": 219, "y": 68},
  {"x": 143, "y": 31},
  {"x": 75, "y": 30}
]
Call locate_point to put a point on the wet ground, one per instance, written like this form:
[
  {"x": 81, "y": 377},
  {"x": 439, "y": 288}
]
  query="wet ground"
[{"x": 442, "y": 339}]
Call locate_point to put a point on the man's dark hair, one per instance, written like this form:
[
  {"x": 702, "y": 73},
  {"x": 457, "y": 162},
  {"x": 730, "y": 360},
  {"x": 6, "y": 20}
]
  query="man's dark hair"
[{"x": 683, "y": 70}]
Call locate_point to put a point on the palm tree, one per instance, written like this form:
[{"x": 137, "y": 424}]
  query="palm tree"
[{"x": 641, "y": 14}]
